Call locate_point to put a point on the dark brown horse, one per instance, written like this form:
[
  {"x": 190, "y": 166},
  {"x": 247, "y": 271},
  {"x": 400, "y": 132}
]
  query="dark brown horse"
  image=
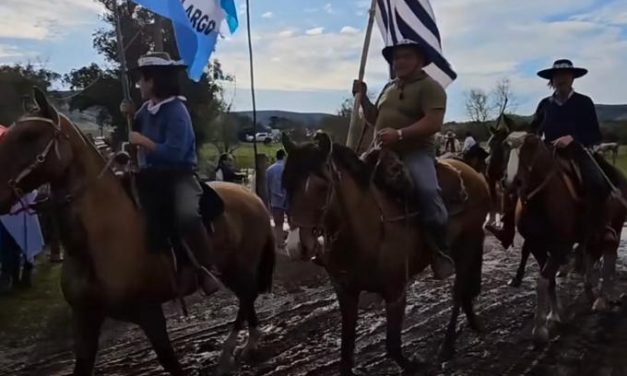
[
  {"x": 371, "y": 242},
  {"x": 550, "y": 219},
  {"x": 108, "y": 271}
]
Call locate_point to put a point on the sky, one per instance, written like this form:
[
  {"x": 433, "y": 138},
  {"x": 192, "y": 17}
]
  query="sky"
[{"x": 307, "y": 52}]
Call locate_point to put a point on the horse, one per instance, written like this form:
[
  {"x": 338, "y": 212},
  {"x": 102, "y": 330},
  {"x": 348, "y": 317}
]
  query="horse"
[
  {"x": 549, "y": 218},
  {"x": 611, "y": 148},
  {"x": 475, "y": 157},
  {"x": 370, "y": 241},
  {"x": 108, "y": 272}
]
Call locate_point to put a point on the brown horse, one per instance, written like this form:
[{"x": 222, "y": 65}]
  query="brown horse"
[
  {"x": 108, "y": 271},
  {"x": 371, "y": 242},
  {"x": 549, "y": 217}
]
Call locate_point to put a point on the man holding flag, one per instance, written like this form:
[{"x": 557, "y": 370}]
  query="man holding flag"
[{"x": 410, "y": 110}]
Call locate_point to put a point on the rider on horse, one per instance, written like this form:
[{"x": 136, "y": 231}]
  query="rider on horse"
[
  {"x": 167, "y": 144},
  {"x": 568, "y": 121},
  {"x": 407, "y": 115}
]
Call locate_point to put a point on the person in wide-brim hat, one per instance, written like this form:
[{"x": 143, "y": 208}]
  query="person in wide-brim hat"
[
  {"x": 388, "y": 52},
  {"x": 562, "y": 65},
  {"x": 158, "y": 60}
]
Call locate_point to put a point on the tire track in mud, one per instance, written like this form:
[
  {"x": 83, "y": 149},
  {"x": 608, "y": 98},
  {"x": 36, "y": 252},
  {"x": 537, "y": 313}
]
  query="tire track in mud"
[{"x": 302, "y": 326}]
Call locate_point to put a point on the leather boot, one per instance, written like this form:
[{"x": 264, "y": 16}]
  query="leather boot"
[
  {"x": 199, "y": 244},
  {"x": 26, "y": 278},
  {"x": 442, "y": 264}
]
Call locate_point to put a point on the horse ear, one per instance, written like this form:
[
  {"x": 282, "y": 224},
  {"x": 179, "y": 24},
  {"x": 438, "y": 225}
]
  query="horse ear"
[
  {"x": 324, "y": 143},
  {"x": 45, "y": 108},
  {"x": 287, "y": 142}
]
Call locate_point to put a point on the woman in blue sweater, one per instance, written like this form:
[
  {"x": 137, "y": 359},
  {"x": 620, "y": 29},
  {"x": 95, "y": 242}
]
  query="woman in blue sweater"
[
  {"x": 568, "y": 121},
  {"x": 167, "y": 148}
]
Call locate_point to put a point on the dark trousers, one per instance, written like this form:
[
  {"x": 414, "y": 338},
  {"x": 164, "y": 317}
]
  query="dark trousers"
[{"x": 10, "y": 255}]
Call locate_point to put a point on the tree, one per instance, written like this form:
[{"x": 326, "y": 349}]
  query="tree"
[
  {"x": 204, "y": 98},
  {"x": 337, "y": 125},
  {"x": 79, "y": 79},
  {"x": 477, "y": 107},
  {"x": 503, "y": 97},
  {"x": 16, "y": 84}
]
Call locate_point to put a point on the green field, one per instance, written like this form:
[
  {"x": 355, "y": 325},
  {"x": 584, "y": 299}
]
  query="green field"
[{"x": 243, "y": 154}]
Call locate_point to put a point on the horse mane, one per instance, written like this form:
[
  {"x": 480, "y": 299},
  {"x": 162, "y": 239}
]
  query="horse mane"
[{"x": 349, "y": 161}]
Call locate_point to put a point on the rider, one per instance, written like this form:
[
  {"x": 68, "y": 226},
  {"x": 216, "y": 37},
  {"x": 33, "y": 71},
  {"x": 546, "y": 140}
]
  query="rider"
[
  {"x": 568, "y": 121},
  {"x": 407, "y": 114},
  {"x": 167, "y": 144}
]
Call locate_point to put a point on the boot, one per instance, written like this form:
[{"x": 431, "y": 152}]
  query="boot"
[
  {"x": 199, "y": 244},
  {"x": 26, "y": 279},
  {"x": 442, "y": 264}
]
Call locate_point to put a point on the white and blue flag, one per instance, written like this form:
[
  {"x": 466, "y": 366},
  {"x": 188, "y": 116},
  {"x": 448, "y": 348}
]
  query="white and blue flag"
[
  {"x": 402, "y": 20},
  {"x": 197, "y": 26}
]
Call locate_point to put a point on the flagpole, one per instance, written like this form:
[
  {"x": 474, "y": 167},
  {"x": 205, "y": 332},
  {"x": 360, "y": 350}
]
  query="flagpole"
[
  {"x": 353, "y": 127},
  {"x": 254, "y": 103},
  {"x": 126, "y": 89}
]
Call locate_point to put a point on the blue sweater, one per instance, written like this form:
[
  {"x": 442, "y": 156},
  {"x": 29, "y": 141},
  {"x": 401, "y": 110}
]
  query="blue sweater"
[
  {"x": 576, "y": 117},
  {"x": 171, "y": 129}
]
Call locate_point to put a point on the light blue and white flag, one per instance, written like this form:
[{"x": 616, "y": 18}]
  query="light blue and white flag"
[
  {"x": 401, "y": 20},
  {"x": 24, "y": 228},
  {"x": 197, "y": 26}
]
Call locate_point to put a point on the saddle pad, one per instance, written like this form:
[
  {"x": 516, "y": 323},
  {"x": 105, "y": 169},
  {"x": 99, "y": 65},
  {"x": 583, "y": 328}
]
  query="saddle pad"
[{"x": 211, "y": 204}]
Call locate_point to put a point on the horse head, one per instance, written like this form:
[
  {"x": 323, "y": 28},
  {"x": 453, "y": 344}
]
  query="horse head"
[{"x": 34, "y": 151}]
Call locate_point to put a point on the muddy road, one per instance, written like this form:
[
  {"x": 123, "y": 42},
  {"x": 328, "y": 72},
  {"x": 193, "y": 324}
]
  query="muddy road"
[{"x": 301, "y": 325}]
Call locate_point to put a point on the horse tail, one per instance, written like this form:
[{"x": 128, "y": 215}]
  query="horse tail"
[
  {"x": 265, "y": 269},
  {"x": 614, "y": 174}
]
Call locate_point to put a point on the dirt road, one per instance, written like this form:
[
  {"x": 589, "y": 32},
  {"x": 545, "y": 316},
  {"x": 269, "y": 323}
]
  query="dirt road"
[{"x": 301, "y": 325}]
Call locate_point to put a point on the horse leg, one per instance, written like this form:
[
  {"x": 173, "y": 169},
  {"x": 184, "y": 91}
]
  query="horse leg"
[
  {"x": 556, "y": 309},
  {"x": 254, "y": 334},
  {"x": 87, "y": 326},
  {"x": 608, "y": 293},
  {"x": 395, "y": 314},
  {"x": 520, "y": 272},
  {"x": 152, "y": 322},
  {"x": 348, "y": 306},
  {"x": 448, "y": 347},
  {"x": 227, "y": 358},
  {"x": 547, "y": 278},
  {"x": 590, "y": 275}
]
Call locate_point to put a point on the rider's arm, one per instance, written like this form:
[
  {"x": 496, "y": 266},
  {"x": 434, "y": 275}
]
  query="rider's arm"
[
  {"x": 370, "y": 110},
  {"x": 433, "y": 105},
  {"x": 538, "y": 119},
  {"x": 179, "y": 134},
  {"x": 592, "y": 133}
]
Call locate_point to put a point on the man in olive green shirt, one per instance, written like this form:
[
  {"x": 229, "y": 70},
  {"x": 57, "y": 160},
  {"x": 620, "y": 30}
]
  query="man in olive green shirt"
[{"x": 407, "y": 114}]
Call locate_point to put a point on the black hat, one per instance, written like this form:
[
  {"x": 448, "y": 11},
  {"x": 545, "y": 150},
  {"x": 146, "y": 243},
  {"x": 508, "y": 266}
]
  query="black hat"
[
  {"x": 388, "y": 52},
  {"x": 560, "y": 66}
]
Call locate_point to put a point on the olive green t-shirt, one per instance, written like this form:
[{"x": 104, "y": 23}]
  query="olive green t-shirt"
[{"x": 402, "y": 104}]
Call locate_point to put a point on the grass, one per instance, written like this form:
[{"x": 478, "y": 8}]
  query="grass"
[
  {"x": 36, "y": 311},
  {"x": 243, "y": 154}
]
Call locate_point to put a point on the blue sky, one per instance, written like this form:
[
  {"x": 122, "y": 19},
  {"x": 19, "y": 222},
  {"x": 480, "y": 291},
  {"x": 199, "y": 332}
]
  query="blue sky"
[{"x": 307, "y": 51}]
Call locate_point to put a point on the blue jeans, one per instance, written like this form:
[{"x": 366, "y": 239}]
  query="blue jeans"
[{"x": 421, "y": 168}]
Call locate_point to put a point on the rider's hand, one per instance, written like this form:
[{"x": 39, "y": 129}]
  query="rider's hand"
[
  {"x": 127, "y": 108},
  {"x": 387, "y": 137},
  {"x": 563, "y": 142},
  {"x": 136, "y": 138},
  {"x": 359, "y": 87}
]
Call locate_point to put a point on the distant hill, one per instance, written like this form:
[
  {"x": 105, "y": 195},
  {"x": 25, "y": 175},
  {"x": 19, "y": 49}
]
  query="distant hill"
[
  {"x": 309, "y": 120},
  {"x": 612, "y": 112}
]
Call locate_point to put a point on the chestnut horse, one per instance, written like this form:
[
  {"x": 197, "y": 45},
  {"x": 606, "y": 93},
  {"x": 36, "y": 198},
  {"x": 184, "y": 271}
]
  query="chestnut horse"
[
  {"x": 371, "y": 243},
  {"x": 108, "y": 270},
  {"x": 549, "y": 217}
]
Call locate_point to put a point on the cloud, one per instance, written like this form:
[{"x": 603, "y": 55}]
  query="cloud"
[
  {"x": 315, "y": 31},
  {"x": 44, "y": 20},
  {"x": 267, "y": 15},
  {"x": 349, "y": 30},
  {"x": 328, "y": 8},
  {"x": 485, "y": 40}
]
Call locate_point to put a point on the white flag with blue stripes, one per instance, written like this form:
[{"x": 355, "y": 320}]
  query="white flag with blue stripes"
[{"x": 414, "y": 20}]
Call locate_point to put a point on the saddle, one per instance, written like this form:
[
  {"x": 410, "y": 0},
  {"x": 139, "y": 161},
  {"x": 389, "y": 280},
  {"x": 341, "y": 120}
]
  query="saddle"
[
  {"x": 391, "y": 177},
  {"x": 571, "y": 175},
  {"x": 155, "y": 199}
]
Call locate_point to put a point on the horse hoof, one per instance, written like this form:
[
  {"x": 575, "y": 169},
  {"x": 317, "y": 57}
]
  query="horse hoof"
[
  {"x": 249, "y": 354},
  {"x": 554, "y": 317},
  {"x": 540, "y": 335},
  {"x": 226, "y": 365},
  {"x": 348, "y": 372},
  {"x": 601, "y": 305},
  {"x": 447, "y": 352},
  {"x": 476, "y": 325},
  {"x": 408, "y": 365},
  {"x": 515, "y": 282}
]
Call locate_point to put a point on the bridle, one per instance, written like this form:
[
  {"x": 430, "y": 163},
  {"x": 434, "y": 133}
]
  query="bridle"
[
  {"x": 40, "y": 159},
  {"x": 526, "y": 197}
]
